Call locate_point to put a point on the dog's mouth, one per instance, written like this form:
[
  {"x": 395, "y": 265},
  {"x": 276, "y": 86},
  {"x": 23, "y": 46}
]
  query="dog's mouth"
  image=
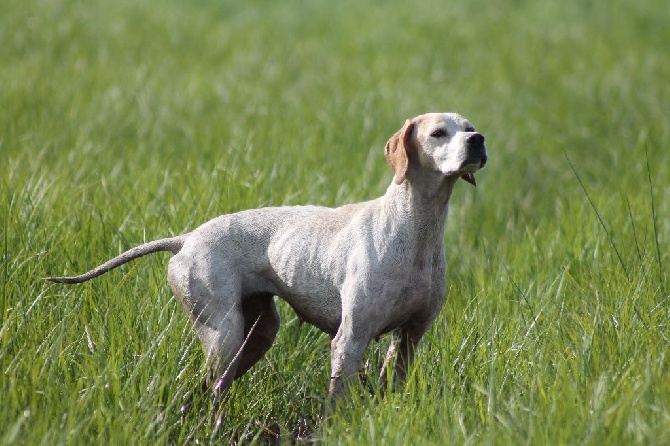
[
  {"x": 470, "y": 178},
  {"x": 471, "y": 166},
  {"x": 469, "y": 170}
]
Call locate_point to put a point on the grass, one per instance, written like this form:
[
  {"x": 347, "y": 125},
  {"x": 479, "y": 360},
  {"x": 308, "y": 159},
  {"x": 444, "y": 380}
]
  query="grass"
[{"x": 127, "y": 121}]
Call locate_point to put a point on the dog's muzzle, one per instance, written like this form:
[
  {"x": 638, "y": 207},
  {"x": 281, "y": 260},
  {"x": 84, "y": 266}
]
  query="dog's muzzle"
[{"x": 476, "y": 149}]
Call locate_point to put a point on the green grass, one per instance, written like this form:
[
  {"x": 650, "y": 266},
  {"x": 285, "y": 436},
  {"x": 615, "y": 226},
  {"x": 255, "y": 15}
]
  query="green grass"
[{"x": 126, "y": 121}]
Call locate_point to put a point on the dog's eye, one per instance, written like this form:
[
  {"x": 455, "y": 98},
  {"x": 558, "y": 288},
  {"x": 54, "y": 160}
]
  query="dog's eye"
[
  {"x": 439, "y": 133},
  {"x": 469, "y": 129}
]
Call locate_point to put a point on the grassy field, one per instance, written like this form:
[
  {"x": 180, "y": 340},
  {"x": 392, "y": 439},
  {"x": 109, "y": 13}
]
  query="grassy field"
[{"x": 125, "y": 121}]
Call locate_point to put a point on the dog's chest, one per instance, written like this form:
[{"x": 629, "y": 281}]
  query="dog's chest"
[{"x": 416, "y": 291}]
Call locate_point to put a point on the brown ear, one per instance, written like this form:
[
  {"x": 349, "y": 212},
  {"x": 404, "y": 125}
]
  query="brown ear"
[{"x": 397, "y": 151}]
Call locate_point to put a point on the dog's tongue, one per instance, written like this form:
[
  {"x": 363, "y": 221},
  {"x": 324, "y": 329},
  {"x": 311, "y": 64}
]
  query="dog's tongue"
[{"x": 470, "y": 178}]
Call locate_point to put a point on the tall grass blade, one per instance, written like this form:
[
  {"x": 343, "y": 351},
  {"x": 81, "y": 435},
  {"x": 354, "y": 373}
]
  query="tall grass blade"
[
  {"x": 632, "y": 224},
  {"x": 654, "y": 217},
  {"x": 602, "y": 223}
]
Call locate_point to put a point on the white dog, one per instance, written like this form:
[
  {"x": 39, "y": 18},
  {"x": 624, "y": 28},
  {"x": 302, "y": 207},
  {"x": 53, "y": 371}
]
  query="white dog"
[{"x": 356, "y": 272}]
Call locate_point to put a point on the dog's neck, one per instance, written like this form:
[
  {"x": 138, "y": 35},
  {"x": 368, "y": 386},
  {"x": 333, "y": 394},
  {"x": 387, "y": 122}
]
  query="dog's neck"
[
  {"x": 422, "y": 195},
  {"x": 418, "y": 207}
]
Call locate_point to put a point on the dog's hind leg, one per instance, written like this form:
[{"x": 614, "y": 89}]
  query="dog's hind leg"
[
  {"x": 223, "y": 346},
  {"x": 242, "y": 335},
  {"x": 261, "y": 323},
  {"x": 212, "y": 299},
  {"x": 223, "y": 343}
]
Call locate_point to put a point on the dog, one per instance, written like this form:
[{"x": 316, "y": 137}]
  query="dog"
[{"x": 356, "y": 272}]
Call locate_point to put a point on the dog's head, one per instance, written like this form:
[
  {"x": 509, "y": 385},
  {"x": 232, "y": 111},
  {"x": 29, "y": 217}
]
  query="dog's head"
[{"x": 443, "y": 142}]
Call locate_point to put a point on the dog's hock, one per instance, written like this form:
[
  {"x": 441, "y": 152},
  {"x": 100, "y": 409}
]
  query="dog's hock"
[{"x": 397, "y": 151}]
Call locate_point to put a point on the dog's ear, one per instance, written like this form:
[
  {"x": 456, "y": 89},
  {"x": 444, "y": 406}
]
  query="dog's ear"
[{"x": 398, "y": 150}]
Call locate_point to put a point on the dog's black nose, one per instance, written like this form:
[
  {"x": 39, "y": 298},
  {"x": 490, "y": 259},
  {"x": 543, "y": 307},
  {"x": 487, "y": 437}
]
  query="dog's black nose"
[
  {"x": 476, "y": 146},
  {"x": 475, "y": 139}
]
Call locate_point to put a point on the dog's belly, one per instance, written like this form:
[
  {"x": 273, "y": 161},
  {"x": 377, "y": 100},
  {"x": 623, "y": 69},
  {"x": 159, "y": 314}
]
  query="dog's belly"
[
  {"x": 313, "y": 299},
  {"x": 306, "y": 276},
  {"x": 322, "y": 312}
]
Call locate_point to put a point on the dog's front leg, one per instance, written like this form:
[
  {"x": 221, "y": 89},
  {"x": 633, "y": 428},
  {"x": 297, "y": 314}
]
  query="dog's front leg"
[
  {"x": 346, "y": 355},
  {"x": 403, "y": 346},
  {"x": 388, "y": 361}
]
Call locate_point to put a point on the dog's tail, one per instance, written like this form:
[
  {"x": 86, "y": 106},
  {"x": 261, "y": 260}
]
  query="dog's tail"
[{"x": 173, "y": 244}]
